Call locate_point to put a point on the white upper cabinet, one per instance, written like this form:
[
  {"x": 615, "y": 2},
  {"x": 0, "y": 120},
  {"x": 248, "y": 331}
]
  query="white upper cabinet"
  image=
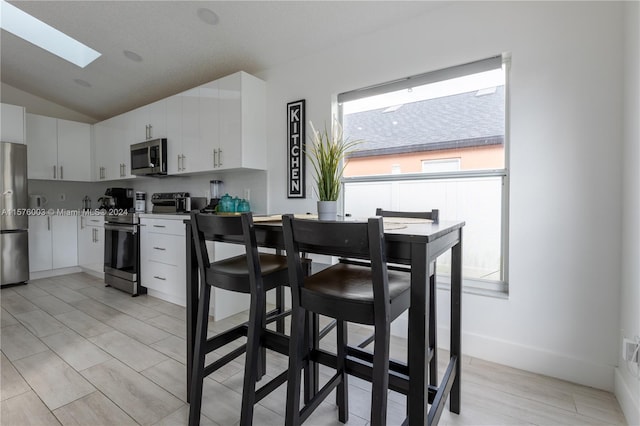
[
  {"x": 220, "y": 125},
  {"x": 188, "y": 154},
  {"x": 12, "y": 123},
  {"x": 242, "y": 122},
  {"x": 58, "y": 149},
  {"x": 174, "y": 134},
  {"x": 74, "y": 150},
  {"x": 109, "y": 149},
  {"x": 147, "y": 122},
  {"x": 42, "y": 142},
  {"x": 210, "y": 124}
]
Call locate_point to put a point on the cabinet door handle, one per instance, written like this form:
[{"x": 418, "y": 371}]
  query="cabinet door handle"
[
  {"x": 48, "y": 223},
  {"x": 159, "y": 226},
  {"x": 214, "y": 158},
  {"x": 150, "y": 131},
  {"x": 159, "y": 248},
  {"x": 219, "y": 157},
  {"x": 183, "y": 166},
  {"x": 159, "y": 278},
  {"x": 61, "y": 172},
  {"x": 54, "y": 172},
  {"x": 81, "y": 222},
  {"x": 93, "y": 235}
]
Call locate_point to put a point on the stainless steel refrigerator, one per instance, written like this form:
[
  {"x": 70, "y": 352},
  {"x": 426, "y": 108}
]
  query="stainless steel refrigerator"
[{"x": 14, "y": 223}]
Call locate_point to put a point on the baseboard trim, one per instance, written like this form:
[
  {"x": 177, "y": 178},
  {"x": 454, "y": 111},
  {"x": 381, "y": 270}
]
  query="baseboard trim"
[
  {"x": 529, "y": 358},
  {"x": 53, "y": 273},
  {"x": 628, "y": 402}
]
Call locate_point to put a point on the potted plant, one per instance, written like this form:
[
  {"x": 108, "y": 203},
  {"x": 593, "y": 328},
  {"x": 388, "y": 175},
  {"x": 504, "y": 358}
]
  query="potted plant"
[{"x": 326, "y": 153}]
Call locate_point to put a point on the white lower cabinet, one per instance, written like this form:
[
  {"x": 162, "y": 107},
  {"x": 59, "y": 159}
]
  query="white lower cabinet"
[
  {"x": 163, "y": 265},
  {"x": 162, "y": 258},
  {"x": 53, "y": 242},
  {"x": 91, "y": 243}
]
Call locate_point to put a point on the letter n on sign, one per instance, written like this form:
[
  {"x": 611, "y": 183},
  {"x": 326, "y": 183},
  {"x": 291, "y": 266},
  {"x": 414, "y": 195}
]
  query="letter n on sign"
[{"x": 296, "y": 149}]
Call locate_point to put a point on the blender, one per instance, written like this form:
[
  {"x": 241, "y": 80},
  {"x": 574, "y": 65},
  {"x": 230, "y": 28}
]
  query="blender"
[{"x": 216, "y": 188}]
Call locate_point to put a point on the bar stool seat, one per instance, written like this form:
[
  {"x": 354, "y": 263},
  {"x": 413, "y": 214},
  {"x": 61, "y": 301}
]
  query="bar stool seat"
[
  {"x": 345, "y": 291},
  {"x": 252, "y": 273}
]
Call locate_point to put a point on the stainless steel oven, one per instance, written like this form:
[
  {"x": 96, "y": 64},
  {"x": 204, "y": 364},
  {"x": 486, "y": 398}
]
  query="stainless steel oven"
[{"x": 122, "y": 253}]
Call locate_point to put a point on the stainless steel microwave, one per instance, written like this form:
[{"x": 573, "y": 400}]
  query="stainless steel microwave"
[{"x": 149, "y": 158}]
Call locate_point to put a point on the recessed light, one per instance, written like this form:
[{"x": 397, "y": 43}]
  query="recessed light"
[
  {"x": 45, "y": 36},
  {"x": 82, "y": 82},
  {"x": 132, "y": 55},
  {"x": 208, "y": 16}
]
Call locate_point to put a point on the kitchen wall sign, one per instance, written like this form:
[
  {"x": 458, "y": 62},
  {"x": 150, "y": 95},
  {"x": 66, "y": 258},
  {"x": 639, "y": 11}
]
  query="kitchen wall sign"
[{"x": 296, "y": 149}]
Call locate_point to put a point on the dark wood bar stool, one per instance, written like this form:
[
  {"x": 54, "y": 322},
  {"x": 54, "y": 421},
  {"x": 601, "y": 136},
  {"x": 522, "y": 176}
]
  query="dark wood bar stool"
[
  {"x": 253, "y": 273},
  {"x": 364, "y": 294}
]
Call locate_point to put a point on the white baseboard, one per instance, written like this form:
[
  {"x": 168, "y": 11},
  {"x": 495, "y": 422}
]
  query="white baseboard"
[
  {"x": 53, "y": 273},
  {"x": 529, "y": 358},
  {"x": 92, "y": 272},
  {"x": 629, "y": 403}
]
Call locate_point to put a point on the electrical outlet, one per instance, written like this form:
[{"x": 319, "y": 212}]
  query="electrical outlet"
[
  {"x": 630, "y": 350},
  {"x": 62, "y": 196}
]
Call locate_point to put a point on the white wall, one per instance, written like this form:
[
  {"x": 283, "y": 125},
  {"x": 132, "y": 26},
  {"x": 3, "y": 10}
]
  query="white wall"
[
  {"x": 37, "y": 105},
  {"x": 234, "y": 183},
  {"x": 562, "y": 314},
  {"x": 627, "y": 387}
]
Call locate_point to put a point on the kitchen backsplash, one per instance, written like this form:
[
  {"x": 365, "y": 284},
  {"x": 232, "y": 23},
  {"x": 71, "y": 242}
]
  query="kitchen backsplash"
[{"x": 69, "y": 195}]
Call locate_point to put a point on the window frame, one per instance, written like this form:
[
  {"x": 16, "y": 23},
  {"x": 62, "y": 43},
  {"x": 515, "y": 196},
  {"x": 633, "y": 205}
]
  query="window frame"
[{"x": 496, "y": 288}]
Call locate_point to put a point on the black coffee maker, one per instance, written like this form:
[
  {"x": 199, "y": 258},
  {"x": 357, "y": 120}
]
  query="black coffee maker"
[{"x": 117, "y": 198}]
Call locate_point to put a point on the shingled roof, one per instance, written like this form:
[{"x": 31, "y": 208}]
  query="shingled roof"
[{"x": 457, "y": 121}]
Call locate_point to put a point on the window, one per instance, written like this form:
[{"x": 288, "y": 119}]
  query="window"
[{"x": 437, "y": 140}]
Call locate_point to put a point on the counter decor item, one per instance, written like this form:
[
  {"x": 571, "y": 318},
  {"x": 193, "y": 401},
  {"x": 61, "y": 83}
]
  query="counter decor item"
[{"x": 326, "y": 154}]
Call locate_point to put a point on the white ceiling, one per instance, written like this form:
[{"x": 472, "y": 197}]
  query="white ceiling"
[{"x": 179, "y": 50}]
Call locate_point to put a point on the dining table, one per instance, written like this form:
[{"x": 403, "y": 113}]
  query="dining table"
[{"x": 416, "y": 244}]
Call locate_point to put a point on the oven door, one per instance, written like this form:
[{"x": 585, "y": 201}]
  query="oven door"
[{"x": 121, "y": 248}]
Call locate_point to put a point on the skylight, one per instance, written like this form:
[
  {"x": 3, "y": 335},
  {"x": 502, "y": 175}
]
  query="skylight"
[{"x": 45, "y": 36}]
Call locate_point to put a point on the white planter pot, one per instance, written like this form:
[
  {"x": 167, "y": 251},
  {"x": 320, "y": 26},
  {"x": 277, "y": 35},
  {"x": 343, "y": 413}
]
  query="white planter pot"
[{"x": 327, "y": 210}]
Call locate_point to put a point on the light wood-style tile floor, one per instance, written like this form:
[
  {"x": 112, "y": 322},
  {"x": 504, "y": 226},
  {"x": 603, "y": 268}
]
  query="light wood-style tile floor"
[{"x": 75, "y": 352}]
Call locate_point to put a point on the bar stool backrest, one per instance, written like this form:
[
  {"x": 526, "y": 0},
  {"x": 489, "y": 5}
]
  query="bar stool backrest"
[
  {"x": 361, "y": 240},
  {"x": 433, "y": 215},
  {"x": 209, "y": 227}
]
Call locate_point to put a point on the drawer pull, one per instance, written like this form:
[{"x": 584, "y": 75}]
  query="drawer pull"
[
  {"x": 159, "y": 226},
  {"x": 159, "y": 248},
  {"x": 159, "y": 278}
]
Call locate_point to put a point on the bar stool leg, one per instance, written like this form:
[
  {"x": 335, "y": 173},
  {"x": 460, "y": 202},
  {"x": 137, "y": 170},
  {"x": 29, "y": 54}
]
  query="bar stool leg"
[
  {"x": 380, "y": 376},
  {"x": 199, "y": 353},
  {"x": 342, "y": 393},
  {"x": 296, "y": 354},
  {"x": 433, "y": 329},
  {"x": 253, "y": 367}
]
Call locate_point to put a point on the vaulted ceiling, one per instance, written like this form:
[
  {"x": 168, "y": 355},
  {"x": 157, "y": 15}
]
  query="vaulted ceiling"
[{"x": 179, "y": 50}]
